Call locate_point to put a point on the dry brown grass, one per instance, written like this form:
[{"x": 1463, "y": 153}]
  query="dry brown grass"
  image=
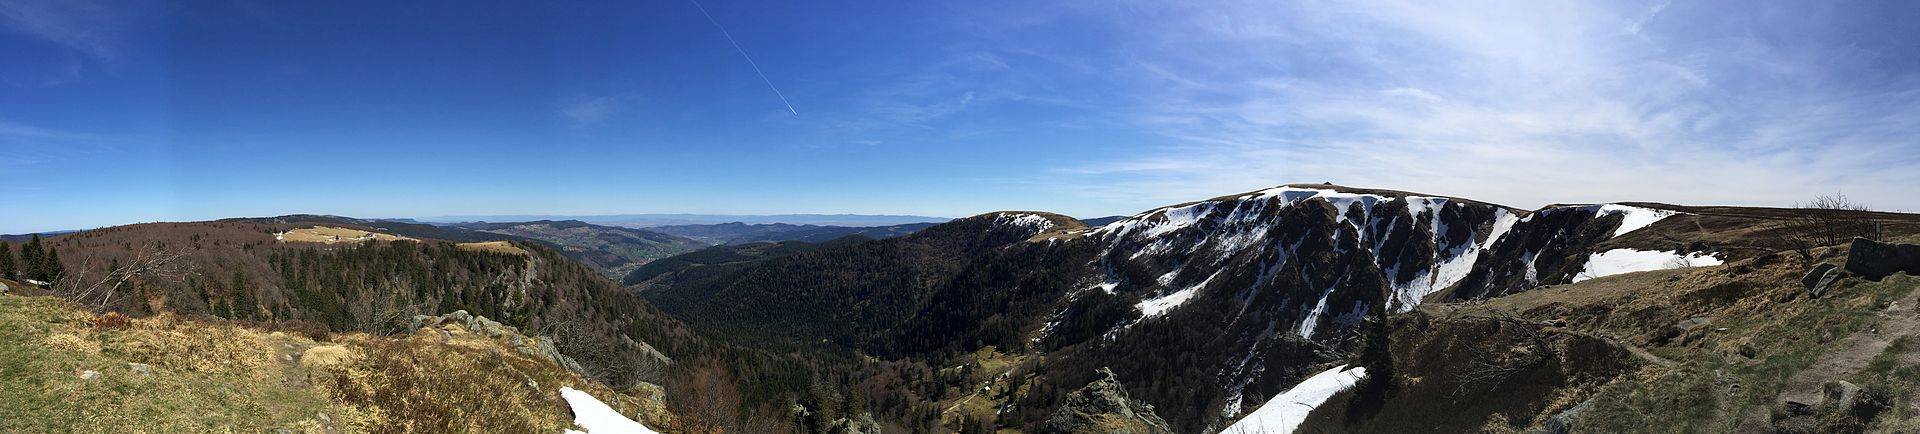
[
  {"x": 223, "y": 377},
  {"x": 331, "y": 235},
  {"x": 448, "y": 380},
  {"x": 1735, "y": 335},
  {"x": 495, "y": 247}
]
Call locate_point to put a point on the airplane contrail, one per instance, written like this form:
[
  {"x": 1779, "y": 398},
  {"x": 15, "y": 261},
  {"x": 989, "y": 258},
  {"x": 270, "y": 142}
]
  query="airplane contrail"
[{"x": 743, "y": 54}]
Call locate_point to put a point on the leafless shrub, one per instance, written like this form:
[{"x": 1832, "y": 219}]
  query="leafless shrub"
[
  {"x": 1489, "y": 372},
  {"x": 385, "y": 311},
  {"x": 94, "y": 285},
  {"x": 1826, "y": 221}
]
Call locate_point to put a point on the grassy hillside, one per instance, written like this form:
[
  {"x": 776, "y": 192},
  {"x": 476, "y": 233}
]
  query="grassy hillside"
[
  {"x": 1708, "y": 349},
  {"x": 69, "y": 370}
]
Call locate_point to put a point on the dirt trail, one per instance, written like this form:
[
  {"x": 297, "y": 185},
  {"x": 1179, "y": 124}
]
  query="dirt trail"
[
  {"x": 1851, "y": 354},
  {"x": 1639, "y": 352}
]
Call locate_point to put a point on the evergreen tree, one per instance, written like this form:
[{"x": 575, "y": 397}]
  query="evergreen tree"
[
  {"x": 50, "y": 269},
  {"x": 1376, "y": 355},
  {"x": 243, "y": 306},
  {"x": 30, "y": 259},
  {"x": 6, "y": 262}
]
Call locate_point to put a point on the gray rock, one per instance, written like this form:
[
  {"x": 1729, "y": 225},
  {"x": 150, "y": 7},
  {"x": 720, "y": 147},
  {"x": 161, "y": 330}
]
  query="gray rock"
[
  {"x": 422, "y": 321},
  {"x": 862, "y": 424},
  {"x": 460, "y": 315},
  {"x": 1875, "y": 260},
  {"x": 1103, "y": 406},
  {"x": 543, "y": 347},
  {"x": 1826, "y": 281},
  {"x": 480, "y": 325},
  {"x": 1818, "y": 272},
  {"x": 1841, "y": 394},
  {"x": 89, "y": 374},
  {"x": 1563, "y": 423},
  {"x": 140, "y": 368}
]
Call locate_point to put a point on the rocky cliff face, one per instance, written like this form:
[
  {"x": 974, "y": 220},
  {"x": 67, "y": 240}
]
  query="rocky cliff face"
[
  {"x": 1103, "y": 407},
  {"x": 1265, "y": 277},
  {"x": 1203, "y": 309}
]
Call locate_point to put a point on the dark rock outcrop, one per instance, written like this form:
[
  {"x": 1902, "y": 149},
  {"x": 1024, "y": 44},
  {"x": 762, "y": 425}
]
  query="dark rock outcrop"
[
  {"x": 1103, "y": 407},
  {"x": 1820, "y": 278},
  {"x": 1876, "y": 260}
]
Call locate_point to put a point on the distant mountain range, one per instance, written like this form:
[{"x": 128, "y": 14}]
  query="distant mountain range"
[
  {"x": 612, "y": 249},
  {"x": 742, "y": 233},
  {"x": 651, "y": 220}
]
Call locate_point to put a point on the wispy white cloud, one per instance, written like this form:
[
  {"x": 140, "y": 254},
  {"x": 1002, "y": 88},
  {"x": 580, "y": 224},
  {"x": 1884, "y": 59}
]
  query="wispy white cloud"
[
  {"x": 22, "y": 144},
  {"x": 586, "y": 112},
  {"x": 83, "y": 26},
  {"x": 1526, "y": 103}
]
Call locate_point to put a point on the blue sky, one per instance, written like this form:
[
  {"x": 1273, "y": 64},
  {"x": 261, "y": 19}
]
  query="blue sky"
[{"x": 120, "y": 112}]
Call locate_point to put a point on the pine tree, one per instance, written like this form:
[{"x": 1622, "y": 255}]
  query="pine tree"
[
  {"x": 244, "y": 307},
  {"x": 6, "y": 262},
  {"x": 1376, "y": 355},
  {"x": 30, "y": 259},
  {"x": 50, "y": 269}
]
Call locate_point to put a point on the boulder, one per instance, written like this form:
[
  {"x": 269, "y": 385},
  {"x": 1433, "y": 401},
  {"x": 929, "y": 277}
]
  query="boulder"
[
  {"x": 543, "y": 347},
  {"x": 1814, "y": 276},
  {"x": 1563, "y": 423},
  {"x": 140, "y": 368},
  {"x": 1103, "y": 407},
  {"x": 1876, "y": 260},
  {"x": 1825, "y": 282},
  {"x": 862, "y": 424},
  {"x": 1840, "y": 394},
  {"x": 480, "y": 325},
  {"x": 422, "y": 321}
]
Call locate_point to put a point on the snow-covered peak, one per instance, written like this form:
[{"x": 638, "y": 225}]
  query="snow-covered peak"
[{"x": 1035, "y": 222}]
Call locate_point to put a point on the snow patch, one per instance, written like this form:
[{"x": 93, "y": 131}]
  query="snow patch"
[
  {"x": 1035, "y": 222},
  {"x": 1502, "y": 223},
  {"x": 1159, "y": 305},
  {"x": 1634, "y": 218},
  {"x": 1285, "y": 412},
  {"x": 1308, "y": 324},
  {"x": 1620, "y": 261},
  {"x": 596, "y": 417}
]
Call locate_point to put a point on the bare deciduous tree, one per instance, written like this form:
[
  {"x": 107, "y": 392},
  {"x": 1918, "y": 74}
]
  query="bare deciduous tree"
[
  {"x": 1826, "y": 221},
  {"x": 385, "y": 311},
  {"x": 95, "y": 286}
]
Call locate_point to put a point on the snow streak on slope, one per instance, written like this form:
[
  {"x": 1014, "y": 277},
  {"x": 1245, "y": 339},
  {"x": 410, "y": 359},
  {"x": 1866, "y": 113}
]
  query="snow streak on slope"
[
  {"x": 1634, "y": 218},
  {"x": 1204, "y": 234},
  {"x": 596, "y": 417},
  {"x": 1156, "y": 306},
  {"x": 1619, "y": 261},
  {"x": 1285, "y": 412}
]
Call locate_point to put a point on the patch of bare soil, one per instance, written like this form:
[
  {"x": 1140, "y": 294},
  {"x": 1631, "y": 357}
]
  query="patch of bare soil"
[
  {"x": 331, "y": 235},
  {"x": 1851, "y": 354}
]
